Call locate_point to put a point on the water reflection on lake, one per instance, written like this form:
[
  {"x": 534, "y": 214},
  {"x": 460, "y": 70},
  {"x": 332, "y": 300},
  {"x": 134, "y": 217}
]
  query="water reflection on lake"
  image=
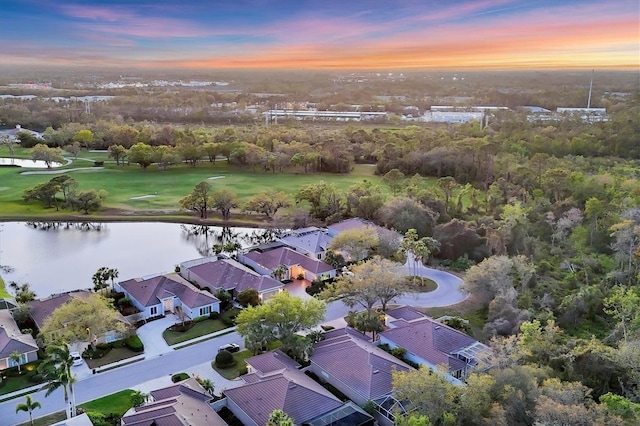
[{"x": 57, "y": 257}]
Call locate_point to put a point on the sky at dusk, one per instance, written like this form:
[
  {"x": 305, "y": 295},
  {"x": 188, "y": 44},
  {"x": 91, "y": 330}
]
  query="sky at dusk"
[{"x": 323, "y": 34}]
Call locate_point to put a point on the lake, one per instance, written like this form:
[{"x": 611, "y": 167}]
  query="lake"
[
  {"x": 58, "y": 257},
  {"x": 38, "y": 164}
]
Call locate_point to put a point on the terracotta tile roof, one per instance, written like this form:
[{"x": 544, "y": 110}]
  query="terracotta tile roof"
[
  {"x": 41, "y": 309},
  {"x": 185, "y": 403},
  {"x": 149, "y": 292},
  {"x": 292, "y": 392},
  {"x": 430, "y": 340},
  {"x": 229, "y": 275},
  {"x": 349, "y": 357},
  {"x": 285, "y": 256}
]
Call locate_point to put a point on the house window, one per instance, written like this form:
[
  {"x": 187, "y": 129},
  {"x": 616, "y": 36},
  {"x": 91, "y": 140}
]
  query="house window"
[
  {"x": 154, "y": 311},
  {"x": 205, "y": 311},
  {"x": 23, "y": 360}
]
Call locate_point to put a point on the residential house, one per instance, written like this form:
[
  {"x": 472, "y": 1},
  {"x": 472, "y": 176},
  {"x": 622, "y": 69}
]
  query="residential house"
[
  {"x": 229, "y": 275},
  {"x": 358, "y": 223},
  {"x": 312, "y": 241},
  {"x": 275, "y": 383},
  {"x": 12, "y": 340},
  {"x": 351, "y": 363},
  {"x": 160, "y": 294},
  {"x": 297, "y": 264},
  {"x": 433, "y": 344},
  {"x": 41, "y": 309},
  {"x": 185, "y": 403},
  {"x": 79, "y": 420}
]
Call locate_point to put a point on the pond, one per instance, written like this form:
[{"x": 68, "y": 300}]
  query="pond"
[
  {"x": 54, "y": 257},
  {"x": 21, "y": 162}
]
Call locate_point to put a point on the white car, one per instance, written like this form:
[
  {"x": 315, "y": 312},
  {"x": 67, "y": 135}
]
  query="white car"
[{"x": 77, "y": 359}]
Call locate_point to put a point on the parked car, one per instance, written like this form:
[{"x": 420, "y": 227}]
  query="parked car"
[
  {"x": 77, "y": 359},
  {"x": 229, "y": 347}
]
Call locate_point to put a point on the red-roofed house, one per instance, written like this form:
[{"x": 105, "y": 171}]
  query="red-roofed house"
[
  {"x": 229, "y": 275},
  {"x": 12, "y": 340},
  {"x": 433, "y": 344},
  {"x": 297, "y": 264},
  {"x": 164, "y": 293}
]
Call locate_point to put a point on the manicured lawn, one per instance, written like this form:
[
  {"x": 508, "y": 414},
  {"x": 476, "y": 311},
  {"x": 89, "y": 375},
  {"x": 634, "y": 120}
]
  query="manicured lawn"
[
  {"x": 467, "y": 309},
  {"x": 167, "y": 187},
  {"x": 199, "y": 329},
  {"x": 239, "y": 368},
  {"x": 114, "y": 355},
  {"x": 234, "y": 371},
  {"x": 117, "y": 403},
  {"x": 421, "y": 285},
  {"x": 13, "y": 383}
]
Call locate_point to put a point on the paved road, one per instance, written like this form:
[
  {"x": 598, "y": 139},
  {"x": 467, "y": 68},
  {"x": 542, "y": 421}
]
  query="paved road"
[{"x": 162, "y": 361}]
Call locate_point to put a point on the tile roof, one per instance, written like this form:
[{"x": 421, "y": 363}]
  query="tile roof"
[
  {"x": 430, "y": 340},
  {"x": 285, "y": 256},
  {"x": 149, "y": 292},
  {"x": 406, "y": 313},
  {"x": 272, "y": 361},
  {"x": 229, "y": 274},
  {"x": 311, "y": 240},
  {"x": 291, "y": 391},
  {"x": 350, "y": 358},
  {"x": 41, "y": 309},
  {"x": 12, "y": 339},
  {"x": 182, "y": 404}
]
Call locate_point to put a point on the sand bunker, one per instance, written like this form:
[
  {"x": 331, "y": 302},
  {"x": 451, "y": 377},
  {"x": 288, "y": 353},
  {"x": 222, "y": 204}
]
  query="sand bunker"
[
  {"x": 216, "y": 177},
  {"x": 4, "y": 188},
  {"x": 59, "y": 172},
  {"x": 142, "y": 197}
]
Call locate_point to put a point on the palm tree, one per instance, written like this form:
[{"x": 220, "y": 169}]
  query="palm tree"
[
  {"x": 138, "y": 398},
  {"x": 29, "y": 405},
  {"x": 112, "y": 274},
  {"x": 16, "y": 358},
  {"x": 56, "y": 369},
  {"x": 207, "y": 385},
  {"x": 279, "y": 418}
]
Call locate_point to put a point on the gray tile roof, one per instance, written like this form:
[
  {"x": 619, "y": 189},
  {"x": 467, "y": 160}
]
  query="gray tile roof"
[
  {"x": 311, "y": 240},
  {"x": 285, "y": 256},
  {"x": 351, "y": 359},
  {"x": 12, "y": 339},
  {"x": 149, "y": 292},
  {"x": 430, "y": 340},
  {"x": 185, "y": 403},
  {"x": 292, "y": 392},
  {"x": 229, "y": 275}
]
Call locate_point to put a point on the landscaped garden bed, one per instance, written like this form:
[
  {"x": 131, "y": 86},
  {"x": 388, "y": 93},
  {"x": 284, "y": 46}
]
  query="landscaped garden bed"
[
  {"x": 182, "y": 332},
  {"x": 105, "y": 354},
  {"x": 13, "y": 380}
]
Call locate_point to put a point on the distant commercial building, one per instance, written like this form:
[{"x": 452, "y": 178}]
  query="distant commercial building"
[{"x": 274, "y": 114}]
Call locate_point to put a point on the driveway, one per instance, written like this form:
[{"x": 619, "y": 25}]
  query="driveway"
[{"x": 151, "y": 336}]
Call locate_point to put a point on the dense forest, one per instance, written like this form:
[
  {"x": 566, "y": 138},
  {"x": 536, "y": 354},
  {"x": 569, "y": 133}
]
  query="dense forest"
[{"x": 542, "y": 217}]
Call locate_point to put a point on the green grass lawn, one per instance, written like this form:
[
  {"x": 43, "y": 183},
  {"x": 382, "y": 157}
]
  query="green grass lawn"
[
  {"x": 236, "y": 370},
  {"x": 125, "y": 182},
  {"x": 114, "y": 355},
  {"x": 4, "y": 294},
  {"x": 199, "y": 329},
  {"x": 420, "y": 284},
  {"x": 13, "y": 382},
  {"x": 117, "y": 403}
]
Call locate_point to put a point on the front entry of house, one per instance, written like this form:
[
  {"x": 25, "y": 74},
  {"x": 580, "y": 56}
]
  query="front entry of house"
[{"x": 168, "y": 305}]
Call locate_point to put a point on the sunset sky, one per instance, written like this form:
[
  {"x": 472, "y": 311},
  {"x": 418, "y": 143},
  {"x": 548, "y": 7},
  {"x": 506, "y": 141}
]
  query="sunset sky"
[{"x": 323, "y": 34}]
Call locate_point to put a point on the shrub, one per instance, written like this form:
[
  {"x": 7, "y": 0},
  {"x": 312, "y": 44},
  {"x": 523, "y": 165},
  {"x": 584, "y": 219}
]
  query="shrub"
[
  {"x": 398, "y": 352},
  {"x": 179, "y": 377},
  {"x": 316, "y": 287},
  {"x": 249, "y": 297},
  {"x": 214, "y": 315},
  {"x": 300, "y": 277},
  {"x": 200, "y": 319},
  {"x": 36, "y": 378},
  {"x": 225, "y": 359},
  {"x": 228, "y": 321},
  {"x": 125, "y": 301},
  {"x": 134, "y": 343}
]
